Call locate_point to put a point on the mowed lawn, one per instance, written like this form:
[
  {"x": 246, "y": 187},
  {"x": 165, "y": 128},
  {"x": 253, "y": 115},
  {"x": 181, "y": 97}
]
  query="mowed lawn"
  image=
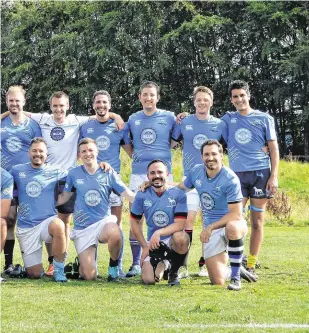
[{"x": 278, "y": 302}]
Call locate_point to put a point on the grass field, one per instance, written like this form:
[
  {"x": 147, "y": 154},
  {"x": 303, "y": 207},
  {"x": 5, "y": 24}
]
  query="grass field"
[{"x": 278, "y": 302}]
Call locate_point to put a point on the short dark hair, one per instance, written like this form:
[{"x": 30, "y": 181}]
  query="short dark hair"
[
  {"x": 149, "y": 84},
  {"x": 156, "y": 161},
  {"x": 37, "y": 139},
  {"x": 101, "y": 92},
  {"x": 210, "y": 143},
  {"x": 86, "y": 141},
  {"x": 59, "y": 94},
  {"x": 238, "y": 84}
]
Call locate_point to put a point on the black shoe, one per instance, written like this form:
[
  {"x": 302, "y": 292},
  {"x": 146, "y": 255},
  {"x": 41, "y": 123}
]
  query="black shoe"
[
  {"x": 16, "y": 272},
  {"x": 248, "y": 274},
  {"x": 8, "y": 269},
  {"x": 173, "y": 279}
]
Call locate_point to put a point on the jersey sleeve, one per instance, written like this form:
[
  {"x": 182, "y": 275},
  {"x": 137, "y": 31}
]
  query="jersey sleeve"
[
  {"x": 176, "y": 134},
  {"x": 270, "y": 129},
  {"x": 69, "y": 184},
  {"x": 38, "y": 117},
  {"x": 181, "y": 209},
  {"x": 126, "y": 139},
  {"x": 224, "y": 127},
  {"x": 137, "y": 210},
  {"x": 233, "y": 191},
  {"x": 82, "y": 119},
  {"x": 118, "y": 185},
  {"x": 188, "y": 182},
  {"x": 7, "y": 188}
]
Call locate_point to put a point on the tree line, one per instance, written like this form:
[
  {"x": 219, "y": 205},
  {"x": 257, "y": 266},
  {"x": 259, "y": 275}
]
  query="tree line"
[{"x": 80, "y": 47}]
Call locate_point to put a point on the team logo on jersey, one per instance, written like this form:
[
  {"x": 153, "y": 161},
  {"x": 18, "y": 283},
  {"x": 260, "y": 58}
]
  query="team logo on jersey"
[
  {"x": 92, "y": 198},
  {"x": 214, "y": 129},
  {"x": 137, "y": 122},
  {"x": 198, "y": 183},
  {"x": 7, "y": 191},
  {"x": 243, "y": 136},
  {"x": 198, "y": 140},
  {"x": 189, "y": 127},
  {"x": 217, "y": 190},
  {"x": 171, "y": 202},
  {"x": 110, "y": 129},
  {"x": 162, "y": 122},
  {"x": 147, "y": 203},
  {"x": 13, "y": 144},
  {"x": 234, "y": 120},
  {"x": 103, "y": 142},
  {"x": 80, "y": 181},
  {"x": 148, "y": 136},
  {"x": 34, "y": 189},
  {"x": 207, "y": 201},
  {"x": 90, "y": 130},
  {"x": 102, "y": 180},
  {"x": 255, "y": 122},
  {"x": 22, "y": 174},
  {"x": 160, "y": 219},
  {"x": 57, "y": 133}
]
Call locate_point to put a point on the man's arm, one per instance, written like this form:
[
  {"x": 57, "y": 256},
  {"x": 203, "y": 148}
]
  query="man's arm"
[
  {"x": 128, "y": 148},
  {"x": 136, "y": 228},
  {"x": 272, "y": 184},
  {"x": 128, "y": 194},
  {"x": 63, "y": 198},
  {"x": 5, "y": 207},
  {"x": 118, "y": 120},
  {"x": 7, "y": 113}
]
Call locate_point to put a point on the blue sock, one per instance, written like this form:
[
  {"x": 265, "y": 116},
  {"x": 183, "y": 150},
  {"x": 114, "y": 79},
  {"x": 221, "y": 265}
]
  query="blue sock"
[
  {"x": 121, "y": 252},
  {"x": 235, "y": 250},
  {"x": 136, "y": 251}
]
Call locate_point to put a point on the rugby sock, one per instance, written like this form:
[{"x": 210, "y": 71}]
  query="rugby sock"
[
  {"x": 235, "y": 250},
  {"x": 121, "y": 252},
  {"x": 190, "y": 234},
  {"x": 113, "y": 263},
  {"x": 50, "y": 259},
  {"x": 8, "y": 252},
  {"x": 136, "y": 251},
  {"x": 177, "y": 260},
  {"x": 252, "y": 259}
]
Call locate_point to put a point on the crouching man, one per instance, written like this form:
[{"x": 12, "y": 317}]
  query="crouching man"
[
  {"x": 165, "y": 211},
  {"x": 93, "y": 222}
]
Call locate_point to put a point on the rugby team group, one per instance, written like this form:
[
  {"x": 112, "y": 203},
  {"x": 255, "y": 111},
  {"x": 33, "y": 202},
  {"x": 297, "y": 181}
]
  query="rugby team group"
[{"x": 42, "y": 186}]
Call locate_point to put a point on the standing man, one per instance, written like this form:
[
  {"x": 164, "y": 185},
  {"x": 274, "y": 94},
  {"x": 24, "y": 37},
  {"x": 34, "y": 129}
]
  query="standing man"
[
  {"x": 109, "y": 140},
  {"x": 93, "y": 223},
  {"x": 165, "y": 210},
  {"x": 17, "y": 131},
  {"x": 37, "y": 219},
  {"x": 193, "y": 131},
  {"x": 246, "y": 131},
  {"x": 150, "y": 131},
  {"x": 224, "y": 229}
]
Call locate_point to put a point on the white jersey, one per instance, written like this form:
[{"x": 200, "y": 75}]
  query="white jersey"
[{"x": 62, "y": 139}]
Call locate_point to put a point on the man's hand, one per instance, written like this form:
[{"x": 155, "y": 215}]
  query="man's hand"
[
  {"x": 154, "y": 242},
  {"x": 272, "y": 185},
  {"x": 145, "y": 254},
  {"x": 265, "y": 149},
  {"x": 118, "y": 121},
  {"x": 144, "y": 186},
  {"x": 106, "y": 167},
  {"x": 205, "y": 235},
  {"x": 180, "y": 116}
]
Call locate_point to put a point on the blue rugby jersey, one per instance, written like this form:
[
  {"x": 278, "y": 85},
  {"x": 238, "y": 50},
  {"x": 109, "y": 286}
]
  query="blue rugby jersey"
[{"x": 7, "y": 184}]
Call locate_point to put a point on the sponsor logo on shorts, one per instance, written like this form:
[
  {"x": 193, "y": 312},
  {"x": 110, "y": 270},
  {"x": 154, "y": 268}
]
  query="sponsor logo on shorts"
[
  {"x": 147, "y": 203},
  {"x": 80, "y": 181},
  {"x": 160, "y": 219},
  {"x": 258, "y": 192},
  {"x": 198, "y": 140},
  {"x": 34, "y": 189},
  {"x": 57, "y": 133},
  {"x": 92, "y": 198},
  {"x": 207, "y": 201},
  {"x": 259, "y": 174},
  {"x": 90, "y": 130},
  {"x": 13, "y": 144},
  {"x": 148, "y": 136},
  {"x": 22, "y": 174},
  {"x": 103, "y": 142},
  {"x": 243, "y": 136},
  {"x": 189, "y": 127}
]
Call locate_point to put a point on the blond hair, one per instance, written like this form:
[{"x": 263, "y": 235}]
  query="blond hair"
[{"x": 203, "y": 89}]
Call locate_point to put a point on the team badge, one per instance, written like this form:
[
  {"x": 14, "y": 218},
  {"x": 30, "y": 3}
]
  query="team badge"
[
  {"x": 13, "y": 144},
  {"x": 92, "y": 198},
  {"x": 57, "y": 133},
  {"x": 198, "y": 140},
  {"x": 34, "y": 189},
  {"x": 207, "y": 201},
  {"x": 103, "y": 142},
  {"x": 243, "y": 136},
  {"x": 148, "y": 136},
  {"x": 160, "y": 219}
]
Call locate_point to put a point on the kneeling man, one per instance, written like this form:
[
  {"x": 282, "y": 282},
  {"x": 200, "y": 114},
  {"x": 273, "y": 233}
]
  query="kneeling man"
[{"x": 165, "y": 210}]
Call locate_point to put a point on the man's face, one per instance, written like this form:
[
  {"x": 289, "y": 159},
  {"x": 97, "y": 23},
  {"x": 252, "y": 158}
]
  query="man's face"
[
  {"x": 59, "y": 107},
  {"x": 101, "y": 105},
  {"x": 202, "y": 103},
  {"x": 88, "y": 153},
  {"x": 149, "y": 98},
  {"x": 38, "y": 154},
  {"x": 240, "y": 99},
  {"x": 157, "y": 175},
  {"x": 212, "y": 158},
  {"x": 15, "y": 102}
]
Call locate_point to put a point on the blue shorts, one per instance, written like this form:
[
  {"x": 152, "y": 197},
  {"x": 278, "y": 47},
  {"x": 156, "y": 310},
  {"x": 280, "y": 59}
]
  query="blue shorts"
[{"x": 253, "y": 183}]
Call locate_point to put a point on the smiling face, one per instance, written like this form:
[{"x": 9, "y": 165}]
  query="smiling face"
[
  {"x": 212, "y": 157},
  {"x": 149, "y": 98},
  {"x": 38, "y": 154},
  {"x": 15, "y": 102},
  {"x": 59, "y": 107},
  {"x": 157, "y": 175},
  {"x": 240, "y": 99},
  {"x": 88, "y": 153},
  {"x": 101, "y": 105},
  {"x": 203, "y": 103}
]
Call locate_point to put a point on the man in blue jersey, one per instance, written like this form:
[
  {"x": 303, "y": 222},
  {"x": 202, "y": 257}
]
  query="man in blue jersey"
[
  {"x": 36, "y": 182},
  {"x": 221, "y": 202},
  {"x": 93, "y": 223},
  {"x": 150, "y": 131},
  {"x": 109, "y": 140},
  {"x": 246, "y": 131},
  {"x": 17, "y": 131},
  {"x": 165, "y": 211},
  {"x": 193, "y": 131}
]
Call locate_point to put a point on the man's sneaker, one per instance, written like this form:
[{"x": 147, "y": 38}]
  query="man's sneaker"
[
  {"x": 248, "y": 274},
  {"x": 173, "y": 279},
  {"x": 16, "y": 272},
  {"x": 113, "y": 274},
  {"x": 121, "y": 273},
  {"x": 183, "y": 272},
  {"x": 2, "y": 279},
  {"x": 133, "y": 271},
  {"x": 59, "y": 275},
  {"x": 50, "y": 270},
  {"x": 8, "y": 269},
  {"x": 234, "y": 285},
  {"x": 202, "y": 271}
]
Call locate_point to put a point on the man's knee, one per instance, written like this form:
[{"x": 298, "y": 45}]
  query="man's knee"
[
  {"x": 56, "y": 227},
  {"x": 35, "y": 272},
  {"x": 180, "y": 239},
  {"x": 3, "y": 223},
  {"x": 88, "y": 274},
  {"x": 148, "y": 274},
  {"x": 235, "y": 229}
]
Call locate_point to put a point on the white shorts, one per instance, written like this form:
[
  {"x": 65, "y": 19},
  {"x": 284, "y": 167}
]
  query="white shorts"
[
  {"x": 193, "y": 199},
  {"x": 115, "y": 200},
  {"x": 137, "y": 180},
  {"x": 167, "y": 241},
  {"x": 89, "y": 236},
  {"x": 30, "y": 241}
]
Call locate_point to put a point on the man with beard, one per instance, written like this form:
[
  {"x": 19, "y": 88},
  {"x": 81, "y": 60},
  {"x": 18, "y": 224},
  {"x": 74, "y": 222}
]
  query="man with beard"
[
  {"x": 17, "y": 131},
  {"x": 36, "y": 182},
  {"x": 109, "y": 140},
  {"x": 165, "y": 211}
]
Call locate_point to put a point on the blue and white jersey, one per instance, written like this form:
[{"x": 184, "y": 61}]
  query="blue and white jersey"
[
  {"x": 36, "y": 192},
  {"x": 108, "y": 140},
  {"x": 151, "y": 139},
  {"x": 194, "y": 133},
  {"x": 215, "y": 193},
  {"x": 159, "y": 211},
  {"x": 245, "y": 137},
  {"x": 92, "y": 194},
  {"x": 7, "y": 184},
  {"x": 15, "y": 141}
]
